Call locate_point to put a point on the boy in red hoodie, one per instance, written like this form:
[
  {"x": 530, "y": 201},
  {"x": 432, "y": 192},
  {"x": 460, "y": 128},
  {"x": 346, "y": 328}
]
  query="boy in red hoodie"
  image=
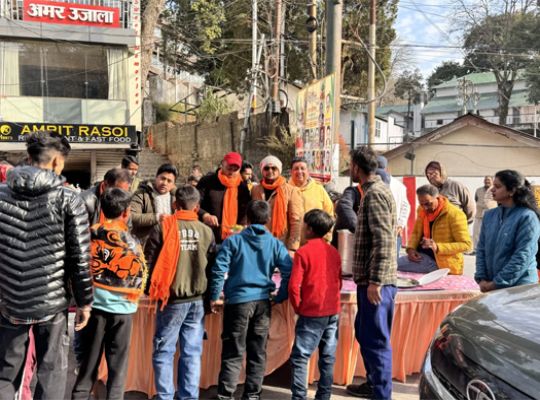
[{"x": 314, "y": 292}]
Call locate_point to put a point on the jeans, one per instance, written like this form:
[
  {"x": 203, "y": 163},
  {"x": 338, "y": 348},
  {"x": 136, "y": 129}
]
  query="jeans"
[
  {"x": 245, "y": 329},
  {"x": 184, "y": 321},
  {"x": 52, "y": 348},
  {"x": 312, "y": 332},
  {"x": 105, "y": 332},
  {"x": 373, "y": 326},
  {"x": 425, "y": 265}
]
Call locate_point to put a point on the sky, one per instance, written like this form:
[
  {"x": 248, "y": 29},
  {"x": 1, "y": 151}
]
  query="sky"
[{"x": 427, "y": 26}]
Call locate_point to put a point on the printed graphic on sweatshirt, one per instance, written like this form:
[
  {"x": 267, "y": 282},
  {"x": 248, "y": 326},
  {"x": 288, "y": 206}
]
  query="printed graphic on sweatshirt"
[
  {"x": 190, "y": 240},
  {"x": 116, "y": 260}
]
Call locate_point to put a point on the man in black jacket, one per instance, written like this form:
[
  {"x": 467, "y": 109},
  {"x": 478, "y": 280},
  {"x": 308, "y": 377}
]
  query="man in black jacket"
[
  {"x": 44, "y": 254},
  {"x": 114, "y": 178},
  {"x": 213, "y": 191}
]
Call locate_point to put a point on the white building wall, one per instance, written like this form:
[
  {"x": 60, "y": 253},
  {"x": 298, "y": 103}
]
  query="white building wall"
[{"x": 437, "y": 120}]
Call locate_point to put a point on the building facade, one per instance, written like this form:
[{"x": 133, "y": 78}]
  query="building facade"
[
  {"x": 446, "y": 105},
  {"x": 72, "y": 67},
  {"x": 388, "y": 133}
]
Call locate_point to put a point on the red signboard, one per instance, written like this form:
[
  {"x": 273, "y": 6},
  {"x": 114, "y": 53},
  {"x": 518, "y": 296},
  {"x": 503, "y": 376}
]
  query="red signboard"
[{"x": 55, "y": 12}]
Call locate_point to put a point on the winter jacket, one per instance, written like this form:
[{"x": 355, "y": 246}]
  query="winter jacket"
[
  {"x": 295, "y": 213},
  {"x": 346, "y": 212},
  {"x": 92, "y": 201},
  {"x": 90, "y": 198},
  {"x": 507, "y": 247},
  {"x": 451, "y": 234},
  {"x": 44, "y": 245},
  {"x": 196, "y": 253},
  {"x": 249, "y": 258},
  {"x": 143, "y": 215},
  {"x": 315, "y": 197},
  {"x": 212, "y": 194}
]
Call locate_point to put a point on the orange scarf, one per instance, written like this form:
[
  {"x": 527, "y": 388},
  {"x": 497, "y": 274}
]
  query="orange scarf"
[
  {"x": 427, "y": 218},
  {"x": 229, "y": 214},
  {"x": 101, "y": 189},
  {"x": 166, "y": 264},
  {"x": 279, "y": 213},
  {"x": 360, "y": 190}
]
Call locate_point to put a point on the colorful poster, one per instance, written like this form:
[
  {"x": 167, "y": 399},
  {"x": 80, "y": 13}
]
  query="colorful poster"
[{"x": 315, "y": 122}]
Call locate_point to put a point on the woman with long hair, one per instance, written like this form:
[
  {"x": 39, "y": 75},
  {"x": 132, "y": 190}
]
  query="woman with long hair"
[{"x": 506, "y": 253}]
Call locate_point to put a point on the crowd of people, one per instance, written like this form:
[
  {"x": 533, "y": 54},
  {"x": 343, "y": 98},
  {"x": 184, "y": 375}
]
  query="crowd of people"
[{"x": 213, "y": 245}]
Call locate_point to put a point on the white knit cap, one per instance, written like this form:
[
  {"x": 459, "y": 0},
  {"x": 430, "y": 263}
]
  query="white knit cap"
[{"x": 271, "y": 160}]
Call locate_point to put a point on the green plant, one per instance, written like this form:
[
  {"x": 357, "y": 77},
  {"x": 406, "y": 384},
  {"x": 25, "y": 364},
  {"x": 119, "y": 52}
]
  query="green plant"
[
  {"x": 163, "y": 112},
  {"x": 212, "y": 106}
]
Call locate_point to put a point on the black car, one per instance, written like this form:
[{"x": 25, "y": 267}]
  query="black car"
[{"x": 487, "y": 349}]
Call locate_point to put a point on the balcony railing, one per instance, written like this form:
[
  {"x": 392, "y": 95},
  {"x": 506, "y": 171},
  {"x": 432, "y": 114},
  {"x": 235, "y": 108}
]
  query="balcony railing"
[{"x": 13, "y": 9}]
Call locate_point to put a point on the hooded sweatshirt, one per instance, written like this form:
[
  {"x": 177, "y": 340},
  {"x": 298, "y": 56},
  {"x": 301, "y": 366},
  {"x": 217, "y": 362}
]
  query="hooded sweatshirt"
[{"x": 250, "y": 258}]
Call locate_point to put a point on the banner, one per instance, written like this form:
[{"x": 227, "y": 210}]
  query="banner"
[
  {"x": 55, "y": 12},
  {"x": 315, "y": 121},
  {"x": 96, "y": 134}
]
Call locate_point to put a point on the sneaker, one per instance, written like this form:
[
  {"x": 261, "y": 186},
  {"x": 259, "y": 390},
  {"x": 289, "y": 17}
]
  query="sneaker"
[{"x": 363, "y": 391}]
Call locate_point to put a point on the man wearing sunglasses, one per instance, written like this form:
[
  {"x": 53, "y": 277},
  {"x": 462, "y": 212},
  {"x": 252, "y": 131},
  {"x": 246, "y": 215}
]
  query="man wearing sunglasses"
[{"x": 285, "y": 201}]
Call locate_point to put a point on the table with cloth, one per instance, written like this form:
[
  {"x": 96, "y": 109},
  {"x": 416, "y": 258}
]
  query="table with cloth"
[{"x": 418, "y": 313}]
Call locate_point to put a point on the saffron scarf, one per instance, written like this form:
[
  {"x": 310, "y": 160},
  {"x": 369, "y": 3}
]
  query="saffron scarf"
[
  {"x": 165, "y": 268},
  {"x": 360, "y": 190},
  {"x": 279, "y": 212},
  {"x": 101, "y": 189},
  {"x": 229, "y": 214},
  {"x": 427, "y": 218}
]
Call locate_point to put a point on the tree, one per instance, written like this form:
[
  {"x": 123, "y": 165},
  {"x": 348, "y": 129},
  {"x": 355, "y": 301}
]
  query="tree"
[
  {"x": 532, "y": 72},
  {"x": 409, "y": 87},
  {"x": 445, "y": 72},
  {"x": 495, "y": 41},
  {"x": 225, "y": 57},
  {"x": 356, "y": 28},
  {"x": 189, "y": 29}
]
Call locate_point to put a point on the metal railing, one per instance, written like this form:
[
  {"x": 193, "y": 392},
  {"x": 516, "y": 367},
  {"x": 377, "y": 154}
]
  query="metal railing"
[{"x": 13, "y": 9}]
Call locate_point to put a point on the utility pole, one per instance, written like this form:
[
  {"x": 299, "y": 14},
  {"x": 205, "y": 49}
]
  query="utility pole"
[
  {"x": 252, "y": 94},
  {"x": 334, "y": 16},
  {"x": 254, "y": 63},
  {"x": 371, "y": 72},
  {"x": 277, "y": 59},
  {"x": 312, "y": 29}
]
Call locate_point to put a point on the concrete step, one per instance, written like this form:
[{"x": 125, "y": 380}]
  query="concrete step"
[{"x": 150, "y": 161}]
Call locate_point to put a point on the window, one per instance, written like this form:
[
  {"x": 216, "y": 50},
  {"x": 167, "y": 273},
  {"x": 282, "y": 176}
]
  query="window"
[
  {"x": 377, "y": 129},
  {"x": 68, "y": 70},
  {"x": 440, "y": 122}
]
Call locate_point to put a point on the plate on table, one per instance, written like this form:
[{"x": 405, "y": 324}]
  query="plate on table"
[
  {"x": 433, "y": 276},
  {"x": 406, "y": 283}
]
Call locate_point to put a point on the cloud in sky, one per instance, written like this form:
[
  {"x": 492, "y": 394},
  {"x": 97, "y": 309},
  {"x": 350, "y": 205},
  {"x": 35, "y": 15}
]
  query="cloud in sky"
[{"x": 427, "y": 25}]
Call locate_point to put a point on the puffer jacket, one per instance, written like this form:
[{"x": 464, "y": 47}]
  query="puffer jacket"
[
  {"x": 90, "y": 197},
  {"x": 450, "y": 233},
  {"x": 44, "y": 245}
]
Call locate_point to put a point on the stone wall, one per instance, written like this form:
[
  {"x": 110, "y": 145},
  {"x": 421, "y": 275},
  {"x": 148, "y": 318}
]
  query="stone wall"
[{"x": 206, "y": 143}]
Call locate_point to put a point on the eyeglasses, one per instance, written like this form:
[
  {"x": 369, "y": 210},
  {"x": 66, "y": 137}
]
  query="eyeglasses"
[{"x": 270, "y": 168}]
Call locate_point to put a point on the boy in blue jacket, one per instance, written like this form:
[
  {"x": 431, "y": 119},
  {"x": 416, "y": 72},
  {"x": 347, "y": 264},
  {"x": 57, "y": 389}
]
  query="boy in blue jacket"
[{"x": 249, "y": 258}]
